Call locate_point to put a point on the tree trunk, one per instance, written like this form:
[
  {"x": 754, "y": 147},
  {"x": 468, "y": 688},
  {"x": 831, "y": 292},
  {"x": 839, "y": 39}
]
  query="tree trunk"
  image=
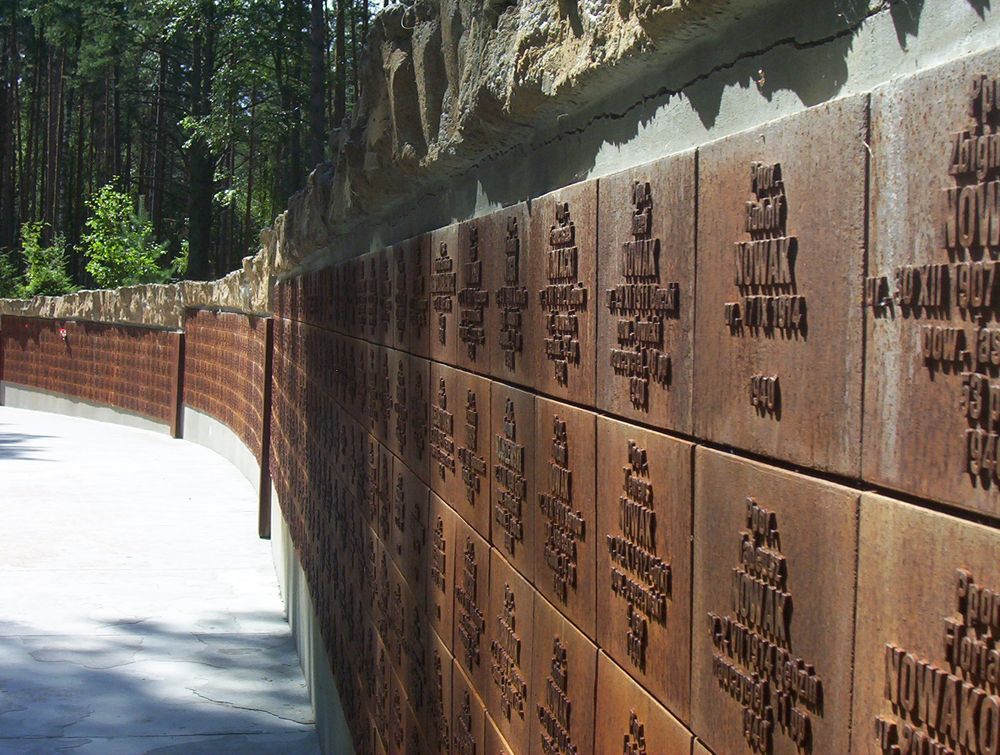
[
  {"x": 340, "y": 86},
  {"x": 317, "y": 85}
]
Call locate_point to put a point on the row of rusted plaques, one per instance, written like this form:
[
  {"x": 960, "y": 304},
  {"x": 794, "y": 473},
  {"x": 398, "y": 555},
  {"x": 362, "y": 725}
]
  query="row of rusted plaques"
[
  {"x": 671, "y": 591},
  {"x": 729, "y": 294}
]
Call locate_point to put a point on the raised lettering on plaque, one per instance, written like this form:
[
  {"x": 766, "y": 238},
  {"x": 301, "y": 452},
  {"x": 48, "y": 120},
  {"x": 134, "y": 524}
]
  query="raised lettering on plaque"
[
  {"x": 465, "y": 740},
  {"x": 640, "y": 304},
  {"x": 442, "y": 433},
  {"x": 440, "y": 714},
  {"x": 753, "y": 659},
  {"x": 472, "y": 300},
  {"x": 443, "y": 290},
  {"x": 470, "y": 617},
  {"x": 400, "y": 406},
  {"x": 564, "y": 525},
  {"x": 563, "y": 297},
  {"x": 512, "y": 297},
  {"x": 555, "y": 713},
  {"x": 473, "y": 465},
  {"x": 509, "y": 475},
  {"x": 505, "y": 651},
  {"x": 638, "y": 576}
]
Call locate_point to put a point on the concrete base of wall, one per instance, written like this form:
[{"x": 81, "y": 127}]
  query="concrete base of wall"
[
  {"x": 21, "y": 397},
  {"x": 331, "y": 723},
  {"x": 207, "y": 431}
]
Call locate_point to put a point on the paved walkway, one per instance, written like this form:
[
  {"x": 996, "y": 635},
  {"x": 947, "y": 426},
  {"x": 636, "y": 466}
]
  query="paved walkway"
[{"x": 139, "y": 613}]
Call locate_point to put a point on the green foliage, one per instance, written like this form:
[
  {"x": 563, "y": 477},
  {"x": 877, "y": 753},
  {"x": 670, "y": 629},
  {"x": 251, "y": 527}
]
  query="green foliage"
[
  {"x": 45, "y": 266},
  {"x": 10, "y": 281},
  {"x": 119, "y": 244}
]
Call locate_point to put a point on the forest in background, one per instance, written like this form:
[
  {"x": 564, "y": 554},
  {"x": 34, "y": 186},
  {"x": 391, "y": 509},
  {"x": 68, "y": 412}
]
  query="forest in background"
[{"x": 176, "y": 127}]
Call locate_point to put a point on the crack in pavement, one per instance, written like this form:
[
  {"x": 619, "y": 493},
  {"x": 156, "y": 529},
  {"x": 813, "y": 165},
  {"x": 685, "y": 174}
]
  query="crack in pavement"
[{"x": 254, "y": 710}]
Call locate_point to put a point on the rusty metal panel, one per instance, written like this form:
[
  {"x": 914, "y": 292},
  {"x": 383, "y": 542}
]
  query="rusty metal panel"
[
  {"x": 932, "y": 398},
  {"x": 409, "y": 542},
  {"x": 774, "y": 590},
  {"x": 630, "y": 720},
  {"x": 512, "y": 440},
  {"x": 441, "y": 534},
  {"x": 495, "y": 743},
  {"x": 436, "y": 716},
  {"x": 408, "y": 434},
  {"x": 563, "y": 683},
  {"x": 384, "y": 321},
  {"x": 468, "y": 714},
  {"x": 478, "y": 260},
  {"x": 560, "y": 340},
  {"x": 566, "y": 536},
  {"x": 781, "y": 233},
  {"x": 470, "y": 645},
  {"x": 504, "y": 237},
  {"x": 460, "y": 443},
  {"x": 925, "y": 670},
  {"x": 405, "y": 737},
  {"x": 646, "y": 256},
  {"x": 508, "y": 629},
  {"x": 411, "y": 289},
  {"x": 381, "y": 392},
  {"x": 444, "y": 264},
  {"x": 644, "y": 558}
]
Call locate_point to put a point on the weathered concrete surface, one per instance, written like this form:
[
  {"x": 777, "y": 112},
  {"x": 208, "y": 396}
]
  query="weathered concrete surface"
[{"x": 140, "y": 611}]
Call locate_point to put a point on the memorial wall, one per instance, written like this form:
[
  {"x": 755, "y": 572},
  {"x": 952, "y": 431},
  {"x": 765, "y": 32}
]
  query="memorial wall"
[{"x": 697, "y": 457}]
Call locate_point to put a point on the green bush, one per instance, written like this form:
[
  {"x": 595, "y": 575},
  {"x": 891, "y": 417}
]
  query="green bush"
[
  {"x": 119, "y": 244},
  {"x": 45, "y": 266},
  {"x": 10, "y": 281}
]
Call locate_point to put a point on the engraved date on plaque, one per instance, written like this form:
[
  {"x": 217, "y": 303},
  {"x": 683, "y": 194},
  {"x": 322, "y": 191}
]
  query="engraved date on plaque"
[
  {"x": 752, "y": 658},
  {"x": 638, "y": 575},
  {"x": 506, "y": 671},
  {"x": 641, "y": 305},
  {"x": 765, "y": 395},
  {"x": 513, "y": 486},
  {"x": 939, "y": 706},
  {"x": 564, "y": 526},
  {"x": 512, "y": 298},
  {"x": 564, "y": 297}
]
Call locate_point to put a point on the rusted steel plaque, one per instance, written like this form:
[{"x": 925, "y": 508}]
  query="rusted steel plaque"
[
  {"x": 560, "y": 340},
  {"x": 514, "y": 508},
  {"x": 460, "y": 443},
  {"x": 645, "y": 271},
  {"x": 932, "y": 399},
  {"x": 644, "y": 558},
  {"x": 411, "y": 291},
  {"x": 495, "y": 743},
  {"x": 563, "y": 684},
  {"x": 504, "y": 238},
  {"x": 468, "y": 714},
  {"x": 508, "y": 630},
  {"x": 470, "y": 645},
  {"x": 565, "y": 510},
  {"x": 774, "y": 580},
  {"x": 409, "y": 540},
  {"x": 478, "y": 258},
  {"x": 441, "y": 520},
  {"x": 381, "y": 390},
  {"x": 368, "y": 297},
  {"x": 409, "y": 438},
  {"x": 781, "y": 232},
  {"x": 928, "y": 619},
  {"x": 630, "y": 720},
  {"x": 436, "y": 717},
  {"x": 384, "y": 320},
  {"x": 699, "y": 748},
  {"x": 444, "y": 263},
  {"x": 405, "y": 737}
]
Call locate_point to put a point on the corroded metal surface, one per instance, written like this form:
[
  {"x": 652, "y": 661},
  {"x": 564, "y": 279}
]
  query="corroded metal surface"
[
  {"x": 560, "y": 339},
  {"x": 780, "y": 265},
  {"x": 646, "y": 256},
  {"x": 644, "y": 558},
  {"x": 505, "y": 239},
  {"x": 630, "y": 720},
  {"x": 927, "y": 622},
  {"x": 932, "y": 402},
  {"x": 774, "y": 577},
  {"x": 514, "y": 513}
]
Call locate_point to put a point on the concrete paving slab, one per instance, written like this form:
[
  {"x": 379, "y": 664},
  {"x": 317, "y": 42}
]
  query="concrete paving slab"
[{"x": 141, "y": 613}]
